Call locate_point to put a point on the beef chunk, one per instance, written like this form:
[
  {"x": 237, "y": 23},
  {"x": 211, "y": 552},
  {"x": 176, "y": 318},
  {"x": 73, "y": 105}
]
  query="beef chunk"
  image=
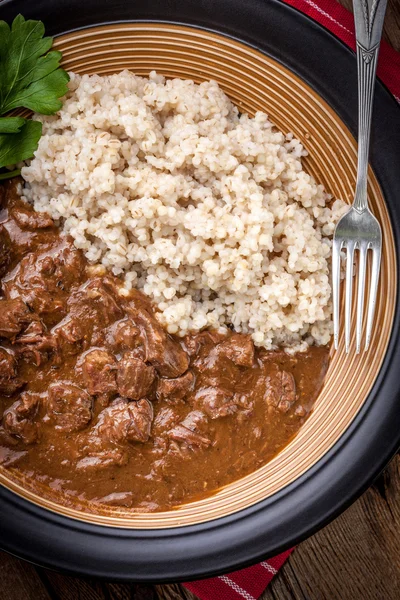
[
  {"x": 8, "y": 365},
  {"x": 70, "y": 329},
  {"x": 69, "y": 406},
  {"x": 9, "y": 381},
  {"x": 167, "y": 356},
  {"x": 19, "y": 418},
  {"x": 172, "y": 362},
  {"x": 216, "y": 402},
  {"x": 87, "y": 316},
  {"x": 104, "y": 293},
  {"x": 189, "y": 431},
  {"x": 24, "y": 329},
  {"x": 220, "y": 365},
  {"x": 70, "y": 336},
  {"x": 239, "y": 349},
  {"x": 102, "y": 459},
  {"x": 15, "y": 316},
  {"x": 34, "y": 333},
  {"x": 194, "y": 343},
  {"x": 92, "y": 308},
  {"x": 280, "y": 390},
  {"x": 6, "y": 439},
  {"x": 35, "y": 344},
  {"x": 43, "y": 281},
  {"x": 175, "y": 390},
  {"x": 134, "y": 377},
  {"x": 123, "y": 335},
  {"x": 27, "y": 218},
  {"x": 125, "y": 421},
  {"x": 164, "y": 420},
  {"x": 216, "y": 369},
  {"x": 98, "y": 371},
  {"x": 69, "y": 267},
  {"x": 5, "y": 250}
]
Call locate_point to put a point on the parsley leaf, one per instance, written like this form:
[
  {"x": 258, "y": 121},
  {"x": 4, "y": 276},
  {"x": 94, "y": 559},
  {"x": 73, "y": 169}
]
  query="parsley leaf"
[
  {"x": 42, "y": 95},
  {"x": 9, "y": 174},
  {"x": 15, "y": 147},
  {"x": 30, "y": 77},
  {"x": 11, "y": 124}
]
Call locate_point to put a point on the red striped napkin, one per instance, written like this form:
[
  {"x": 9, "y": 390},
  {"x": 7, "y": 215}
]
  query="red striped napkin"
[
  {"x": 340, "y": 21},
  {"x": 251, "y": 582},
  {"x": 247, "y": 583}
]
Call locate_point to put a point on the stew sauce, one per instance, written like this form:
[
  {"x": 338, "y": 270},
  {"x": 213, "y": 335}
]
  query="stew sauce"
[{"x": 98, "y": 403}]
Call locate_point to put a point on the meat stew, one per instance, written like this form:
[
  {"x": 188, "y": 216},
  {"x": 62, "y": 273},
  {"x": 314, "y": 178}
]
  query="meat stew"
[{"x": 101, "y": 405}]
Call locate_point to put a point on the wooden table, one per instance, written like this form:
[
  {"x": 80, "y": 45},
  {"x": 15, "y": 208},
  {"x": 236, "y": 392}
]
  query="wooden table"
[{"x": 357, "y": 557}]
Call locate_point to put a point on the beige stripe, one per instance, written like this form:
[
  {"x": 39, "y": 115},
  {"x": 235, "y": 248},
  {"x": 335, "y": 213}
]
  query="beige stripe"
[
  {"x": 236, "y": 587},
  {"x": 269, "y": 568}
]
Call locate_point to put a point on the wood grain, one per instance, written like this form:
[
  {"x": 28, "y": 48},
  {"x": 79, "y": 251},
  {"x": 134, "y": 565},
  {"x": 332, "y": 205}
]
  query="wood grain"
[
  {"x": 357, "y": 557},
  {"x": 20, "y": 581}
]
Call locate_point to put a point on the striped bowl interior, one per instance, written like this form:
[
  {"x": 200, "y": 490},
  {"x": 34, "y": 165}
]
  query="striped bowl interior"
[{"x": 254, "y": 82}]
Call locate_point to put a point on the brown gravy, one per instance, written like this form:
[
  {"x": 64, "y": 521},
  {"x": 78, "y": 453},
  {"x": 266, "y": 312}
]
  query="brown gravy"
[{"x": 98, "y": 403}]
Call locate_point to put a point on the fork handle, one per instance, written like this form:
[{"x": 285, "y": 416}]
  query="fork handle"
[{"x": 368, "y": 17}]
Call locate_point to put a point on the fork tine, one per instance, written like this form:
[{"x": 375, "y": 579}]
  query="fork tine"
[
  {"x": 376, "y": 261},
  {"x": 336, "y": 248},
  {"x": 349, "y": 292},
  {"x": 362, "y": 260}
]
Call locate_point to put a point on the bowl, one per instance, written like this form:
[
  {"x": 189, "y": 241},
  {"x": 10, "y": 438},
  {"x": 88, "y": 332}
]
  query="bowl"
[{"x": 269, "y": 57}]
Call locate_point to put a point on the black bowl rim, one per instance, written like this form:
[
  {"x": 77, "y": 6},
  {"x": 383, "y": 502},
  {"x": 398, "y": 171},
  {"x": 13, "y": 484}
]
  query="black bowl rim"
[{"x": 346, "y": 470}]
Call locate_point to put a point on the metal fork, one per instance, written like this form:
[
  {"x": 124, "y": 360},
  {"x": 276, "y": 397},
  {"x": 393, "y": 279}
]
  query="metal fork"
[{"x": 358, "y": 229}]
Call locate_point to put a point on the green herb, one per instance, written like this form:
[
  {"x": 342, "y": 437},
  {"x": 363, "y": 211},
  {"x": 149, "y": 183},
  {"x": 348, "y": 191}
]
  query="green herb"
[
  {"x": 20, "y": 146},
  {"x": 30, "y": 77},
  {"x": 11, "y": 124}
]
